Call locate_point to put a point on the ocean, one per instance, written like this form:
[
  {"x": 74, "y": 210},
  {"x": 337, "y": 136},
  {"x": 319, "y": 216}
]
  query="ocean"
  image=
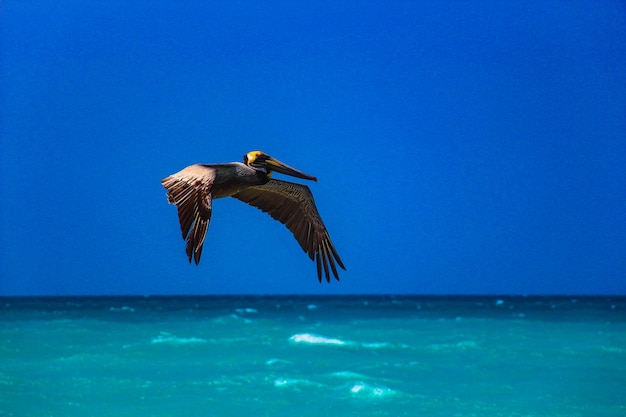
[{"x": 313, "y": 356}]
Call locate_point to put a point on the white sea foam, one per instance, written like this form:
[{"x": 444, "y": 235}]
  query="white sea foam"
[
  {"x": 363, "y": 389},
  {"x": 166, "y": 338},
  {"x": 314, "y": 339},
  {"x": 295, "y": 382},
  {"x": 276, "y": 361},
  {"x": 348, "y": 375}
]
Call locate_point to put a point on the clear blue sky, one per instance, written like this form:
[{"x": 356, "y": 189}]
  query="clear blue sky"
[{"x": 462, "y": 147}]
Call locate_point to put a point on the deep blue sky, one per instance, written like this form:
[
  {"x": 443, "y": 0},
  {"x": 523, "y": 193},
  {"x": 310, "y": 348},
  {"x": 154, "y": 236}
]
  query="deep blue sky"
[{"x": 461, "y": 146}]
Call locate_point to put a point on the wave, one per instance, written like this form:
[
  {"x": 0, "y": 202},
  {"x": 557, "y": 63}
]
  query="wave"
[
  {"x": 167, "y": 338},
  {"x": 363, "y": 389},
  {"x": 314, "y": 339}
]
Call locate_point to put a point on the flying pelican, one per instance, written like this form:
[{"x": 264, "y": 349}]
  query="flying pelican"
[{"x": 194, "y": 188}]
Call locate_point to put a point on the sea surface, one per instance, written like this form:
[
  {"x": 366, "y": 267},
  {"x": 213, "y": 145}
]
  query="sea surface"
[{"x": 313, "y": 356}]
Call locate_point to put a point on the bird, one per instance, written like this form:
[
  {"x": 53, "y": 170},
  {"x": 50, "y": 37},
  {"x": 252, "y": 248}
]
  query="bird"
[{"x": 194, "y": 188}]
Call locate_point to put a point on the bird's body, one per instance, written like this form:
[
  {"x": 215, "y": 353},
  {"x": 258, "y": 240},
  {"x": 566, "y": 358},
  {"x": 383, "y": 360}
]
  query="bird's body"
[
  {"x": 223, "y": 180},
  {"x": 194, "y": 188}
]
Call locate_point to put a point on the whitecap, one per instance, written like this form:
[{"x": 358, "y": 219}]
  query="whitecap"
[
  {"x": 294, "y": 383},
  {"x": 314, "y": 339},
  {"x": 363, "y": 389},
  {"x": 348, "y": 375},
  {"x": 275, "y": 361},
  {"x": 167, "y": 338}
]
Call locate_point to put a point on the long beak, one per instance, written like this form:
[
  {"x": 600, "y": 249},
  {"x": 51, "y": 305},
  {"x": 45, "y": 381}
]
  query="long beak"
[{"x": 275, "y": 165}]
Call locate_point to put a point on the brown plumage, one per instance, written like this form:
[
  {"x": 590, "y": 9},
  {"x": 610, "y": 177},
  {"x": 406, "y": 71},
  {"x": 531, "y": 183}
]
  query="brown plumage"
[{"x": 193, "y": 189}]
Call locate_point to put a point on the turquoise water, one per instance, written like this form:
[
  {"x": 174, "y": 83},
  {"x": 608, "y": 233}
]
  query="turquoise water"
[{"x": 312, "y": 356}]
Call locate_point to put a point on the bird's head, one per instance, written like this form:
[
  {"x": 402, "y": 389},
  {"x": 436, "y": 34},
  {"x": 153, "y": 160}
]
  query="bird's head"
[{"x": 261, "y": 160}]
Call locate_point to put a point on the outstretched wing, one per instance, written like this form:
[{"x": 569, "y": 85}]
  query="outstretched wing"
[
  {"x": 190, "y": 190},
  {"x": 293, "y": 205}
]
